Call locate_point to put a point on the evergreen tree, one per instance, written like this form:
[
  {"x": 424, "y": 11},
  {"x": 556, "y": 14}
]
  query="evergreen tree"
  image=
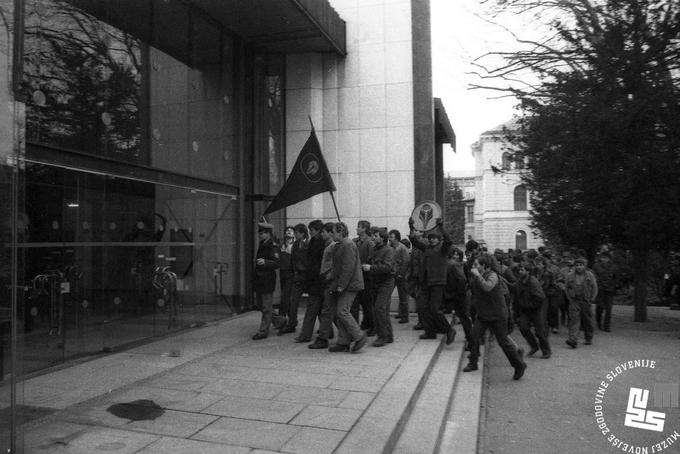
[{"x": 601, "y": 132}]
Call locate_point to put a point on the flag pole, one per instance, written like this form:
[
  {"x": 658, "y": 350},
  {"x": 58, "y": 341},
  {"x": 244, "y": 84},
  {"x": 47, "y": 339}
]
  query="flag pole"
[
  {"x": 337, "y": 213},
  {"x": 335, "y": 206}
]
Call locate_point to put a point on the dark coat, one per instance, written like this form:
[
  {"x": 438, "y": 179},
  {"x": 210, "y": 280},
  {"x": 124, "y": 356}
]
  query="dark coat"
[
  {"x": 456, "y": 284},
  {"x": 314, "y": 256},
  {"x": 264, "y": 277},
  {"x": 434, "y": 260},
  {"x": 300, "y": 261},
  {"x": 529, "y": 293},
  {"x": 382, "y": 263},
  {"x": 346, "y": 272},
  {"x": 401, "y": 260},
  {"x": 488, "y": 297}
]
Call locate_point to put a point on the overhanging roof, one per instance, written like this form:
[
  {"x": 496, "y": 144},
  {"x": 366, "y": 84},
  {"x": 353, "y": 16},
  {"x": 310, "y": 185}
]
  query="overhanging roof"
[
  {"x": 284, "y": 26},
  {"x": 443, "y": 129},
  {"x": 281, "y": 25}
]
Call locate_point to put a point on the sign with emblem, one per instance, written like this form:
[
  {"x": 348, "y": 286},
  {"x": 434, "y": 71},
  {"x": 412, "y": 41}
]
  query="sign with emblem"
[{"x": 425, "y": 215}]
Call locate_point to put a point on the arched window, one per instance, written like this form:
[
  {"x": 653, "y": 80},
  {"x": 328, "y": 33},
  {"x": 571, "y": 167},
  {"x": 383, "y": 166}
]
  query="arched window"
[
  {"x": 521, "y": 240},
  {"x": 520, "y": 198},
  {"x": 507, "y": 161}
]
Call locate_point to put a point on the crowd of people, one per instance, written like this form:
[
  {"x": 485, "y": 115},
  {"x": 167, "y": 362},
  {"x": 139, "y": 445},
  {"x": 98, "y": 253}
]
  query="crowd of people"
[{"x": 348, "y": 286}]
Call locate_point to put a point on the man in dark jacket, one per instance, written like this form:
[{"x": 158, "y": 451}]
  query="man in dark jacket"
[
  {"x": 380, "y": 268},
  {"x": 532, "y": 306},
  {"x": 364, "y": 298},
  {"x": 455, "y": 291},
  {"x": 401, "y": 265},
  {"x": 433, "y": 278},
  {"x": 314, "y": 284},
  {"x": 264, "y": 282},
  {"x": 300, "y": 264},
  {"x": 346, "y": 280}
]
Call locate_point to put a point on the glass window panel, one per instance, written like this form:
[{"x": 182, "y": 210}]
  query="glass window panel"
[
  {"x": 82, "y": 82},
  {"x": 98, "y": 252}
]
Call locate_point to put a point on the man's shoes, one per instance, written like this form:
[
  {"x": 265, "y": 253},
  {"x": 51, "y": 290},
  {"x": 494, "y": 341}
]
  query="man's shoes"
[
  {"x": 403, "y": 320},
  {"x": 450, "y": 336},
  {"x": 259, "y": 336},
  {"x": 370, "y": 333},
  {"x": 588, "y": 342},
  {"x": 301, "y": 340},
  {"x": 338, "y": 348},
  {"x": 318, "y": 343},
  {"x": 428, "y": 336},
  {"x": 286, "y": 329},
  {"x": 389, "y": 340},
  {"x": 532, "y": 351},
  {"x": 519, "y": 371},
  {"x": 546, "y": 355},
  {"x": 379, "y": 342},
  {"x": 470, "y": 367},
  {"x": 359, "y": 344},
  {"x": 418, "y": 326},
  {"x": 571, "y": 343},
  {"x": 555, "y": 330}
]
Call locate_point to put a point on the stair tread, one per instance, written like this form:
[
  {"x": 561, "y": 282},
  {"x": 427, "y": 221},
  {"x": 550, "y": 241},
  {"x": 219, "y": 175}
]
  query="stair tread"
[{"x": 422, "y": 430}]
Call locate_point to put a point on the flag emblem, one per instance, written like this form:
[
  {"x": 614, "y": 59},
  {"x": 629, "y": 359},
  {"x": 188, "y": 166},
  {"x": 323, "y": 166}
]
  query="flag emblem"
[{"x": 311, "y": 168}]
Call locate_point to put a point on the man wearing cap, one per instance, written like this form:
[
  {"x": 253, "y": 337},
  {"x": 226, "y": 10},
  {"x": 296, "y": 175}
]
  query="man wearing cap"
[
  {"x": 433, "y": 279},
  {"x": 581, "y": 289},
  {"x": 264, "y": 281}
]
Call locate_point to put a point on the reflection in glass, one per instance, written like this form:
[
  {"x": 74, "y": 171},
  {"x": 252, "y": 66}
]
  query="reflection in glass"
[
  {"x": 83, "y": 80},
  {"x": 109, "y": 261}
]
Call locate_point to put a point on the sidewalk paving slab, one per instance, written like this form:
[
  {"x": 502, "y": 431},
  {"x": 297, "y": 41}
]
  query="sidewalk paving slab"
[{"x": 228, "y": 393}]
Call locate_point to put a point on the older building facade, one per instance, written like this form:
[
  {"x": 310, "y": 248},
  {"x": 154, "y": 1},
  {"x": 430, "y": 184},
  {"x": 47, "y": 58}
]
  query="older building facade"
[{"x": 500, "y": 208}]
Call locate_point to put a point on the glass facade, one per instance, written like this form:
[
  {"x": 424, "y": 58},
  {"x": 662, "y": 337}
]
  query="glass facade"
[{"x": 146, "y": 140}]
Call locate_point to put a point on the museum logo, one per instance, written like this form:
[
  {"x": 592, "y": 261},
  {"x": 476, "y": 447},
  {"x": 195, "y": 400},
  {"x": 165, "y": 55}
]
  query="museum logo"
[{"x": 648, "y": 409}]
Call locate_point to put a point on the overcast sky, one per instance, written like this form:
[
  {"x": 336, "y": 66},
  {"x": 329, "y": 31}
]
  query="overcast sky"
[{"x": 458, "y": 36}]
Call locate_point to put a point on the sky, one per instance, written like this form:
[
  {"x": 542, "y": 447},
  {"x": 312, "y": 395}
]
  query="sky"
[{"x": 458, "y": 37}]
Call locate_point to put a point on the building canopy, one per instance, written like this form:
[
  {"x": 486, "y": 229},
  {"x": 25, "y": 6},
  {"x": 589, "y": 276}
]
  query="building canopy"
[{"x": 284, "y": 26}]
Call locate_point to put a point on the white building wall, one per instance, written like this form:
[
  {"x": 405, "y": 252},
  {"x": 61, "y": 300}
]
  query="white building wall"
[
  {"x": 362, "y": 108},
  {"x": 496, "y": 221}
]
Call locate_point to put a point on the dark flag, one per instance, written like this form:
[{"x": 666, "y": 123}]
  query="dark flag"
[{"x": 309, "y": 177}]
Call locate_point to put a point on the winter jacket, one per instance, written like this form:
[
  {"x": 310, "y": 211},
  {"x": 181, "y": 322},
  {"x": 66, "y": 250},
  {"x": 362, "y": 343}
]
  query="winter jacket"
[
  {"x": 264, "y": 277},
  {"x": 488, "y": 297},
  {"x": 347, "y": 274},
  {"x": 314, "y": 256},
  {"x": 589, "y": 286},
  {"x": 401, "y": 260},
  {"x": 433, "y": 261},
  {"x": 382, "y": 263},
  {"x": 529, "y": 294}
]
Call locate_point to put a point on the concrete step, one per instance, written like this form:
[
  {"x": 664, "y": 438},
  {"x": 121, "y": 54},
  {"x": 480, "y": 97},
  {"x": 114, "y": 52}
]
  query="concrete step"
[
  {"x": 379, "y": 427},
  {"x": 462, "y": 423},
  {"x": 423, "y": 430}
]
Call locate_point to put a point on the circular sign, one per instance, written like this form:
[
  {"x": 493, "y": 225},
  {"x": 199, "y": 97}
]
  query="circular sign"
[
  {"x": 425, "y": 215},
  {"x": 311, "y": 168}
]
